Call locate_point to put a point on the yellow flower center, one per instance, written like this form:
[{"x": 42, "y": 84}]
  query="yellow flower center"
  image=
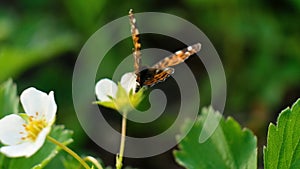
[{"x": 34, "y": 127}]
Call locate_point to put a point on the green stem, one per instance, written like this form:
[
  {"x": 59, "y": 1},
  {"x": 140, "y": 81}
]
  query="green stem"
[
  {"x": 94, "y": 161},
  {"x": 71, "y": 152},
  {"x": 119, "y": 157}
]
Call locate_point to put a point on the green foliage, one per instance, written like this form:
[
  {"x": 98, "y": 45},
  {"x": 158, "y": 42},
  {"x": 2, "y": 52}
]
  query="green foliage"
[
  {"x": 44, "y": 155},
  {"x": 283, "y": 144},
  {"x": 138, "y": 97},
  {"x": 108, "y": 104},
  {"x": 69, "y": 162},
  {"x": 9, "y": 101},
  {"x": 85, "y": 14},
  {"x": 229, "y": 147},
  {"x": 109, "y": 167},
  {"x": 122, "y": 101},
  {"x": 125, "y": 102},
  {"x": 256, "y": 40},
  {"x": 31, "y": 42}
]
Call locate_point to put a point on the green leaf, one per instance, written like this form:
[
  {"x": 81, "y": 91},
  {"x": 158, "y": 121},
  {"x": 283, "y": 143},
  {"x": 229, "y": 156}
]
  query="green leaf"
[
  {"x": 45, "y": 154},
  {"x": 108, "y": 104},
  {"x": 283, "y": 144},
  {"x": 137, "y": 98},
  {"x": 229, "y": 147},
  {"x": 122, "y": 101},
  {"x": 122, "y": 94},
  {"x": 9, "y": 100}
]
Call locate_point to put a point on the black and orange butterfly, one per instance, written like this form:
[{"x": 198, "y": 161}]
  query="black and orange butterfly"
[{"x": 160, "y": 71}]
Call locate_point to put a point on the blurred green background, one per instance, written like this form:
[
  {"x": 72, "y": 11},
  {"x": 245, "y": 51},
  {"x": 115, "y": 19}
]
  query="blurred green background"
[{"x": 258, "y": 42}]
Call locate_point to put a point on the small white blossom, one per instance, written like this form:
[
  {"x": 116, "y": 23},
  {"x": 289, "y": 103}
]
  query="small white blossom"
[
  {"x": 122, "y": 97},
  {"x": 25, "y": 136},
  {"x": 106, "y": 88}
]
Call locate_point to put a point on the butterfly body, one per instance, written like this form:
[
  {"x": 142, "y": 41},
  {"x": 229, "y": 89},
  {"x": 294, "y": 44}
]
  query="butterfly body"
[{"x": 159, "y": 72}]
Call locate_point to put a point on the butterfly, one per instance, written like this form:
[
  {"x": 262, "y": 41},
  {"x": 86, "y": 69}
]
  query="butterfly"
[{"x": 159, "y": 72}]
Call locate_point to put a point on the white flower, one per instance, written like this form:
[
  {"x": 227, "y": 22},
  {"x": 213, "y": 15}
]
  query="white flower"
[
  {"x": 25, "y": 136},
  {"x": 121, "y": 97},
  {"x": 106, "y": 88}
]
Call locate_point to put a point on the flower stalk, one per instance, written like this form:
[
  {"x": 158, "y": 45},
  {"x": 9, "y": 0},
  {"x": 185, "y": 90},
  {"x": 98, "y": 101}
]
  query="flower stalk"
[
  {"x": 121, "y": 97},
  {"x": 71, "y": 152},
  {"x": 119, "y": 157},
  {"x": 94, "y": 161}
]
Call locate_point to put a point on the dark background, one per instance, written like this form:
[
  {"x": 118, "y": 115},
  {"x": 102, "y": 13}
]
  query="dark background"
[{"x": 258, "y": 42}]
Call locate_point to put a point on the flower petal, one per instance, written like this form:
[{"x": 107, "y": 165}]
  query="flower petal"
[
  {"x": 11, "y": 127},
  {"x": 128, "y": 81},
  {"x": 17, "y": 150},
  {"x": 38, "y": 104},
  {"x": 104, "y": 88},
  {"x": 26, "y": 149},
  {"x": 52, "y": 108},
  {"x": 38, "y": 142}
]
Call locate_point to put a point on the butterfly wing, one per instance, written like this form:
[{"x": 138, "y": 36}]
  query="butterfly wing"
[
  {"x": 179, "y": 57},
  {"x": 157, "y": 75},
  {"x": 136, "y": 42}
]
